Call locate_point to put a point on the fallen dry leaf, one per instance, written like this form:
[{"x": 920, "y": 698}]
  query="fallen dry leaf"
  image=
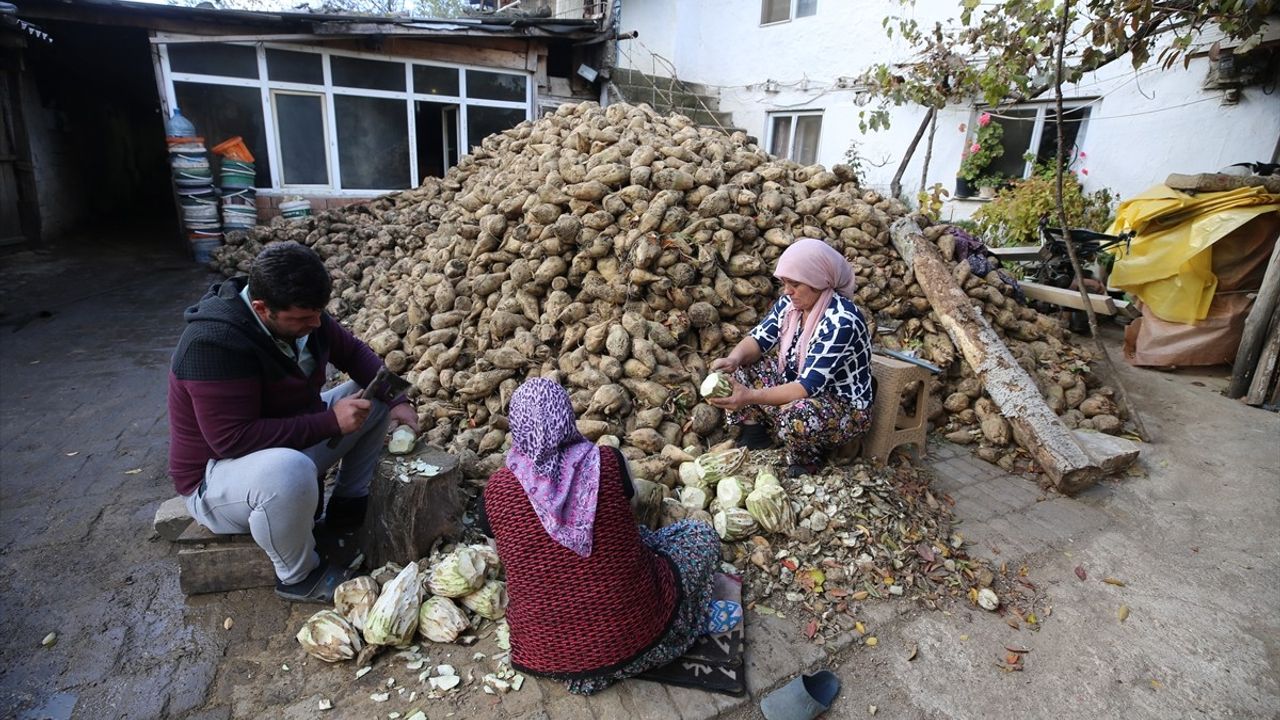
[
  {"x": 72, "y": 454},
  {"x": 913, "y": 652},
  {"x": 1017, "y": 648},
  {"x": 871, "y": 641},
  {"x": 859, "y": 628},
  {"x": 134, "y": 471},
  {"x": 1123, "y": 613},
  {"x": 860, "y": 595},
  {"x": 226, "y": 624},
  {"x": 811, "y": 629},
  {"x": 1113, "y": 581},
  {"x": 1080, "y": 573}
]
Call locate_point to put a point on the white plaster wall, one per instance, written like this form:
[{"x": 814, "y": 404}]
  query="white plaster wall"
[
  {"x": 657, "y": 22},
  {"x": 1146, "y": 125}
]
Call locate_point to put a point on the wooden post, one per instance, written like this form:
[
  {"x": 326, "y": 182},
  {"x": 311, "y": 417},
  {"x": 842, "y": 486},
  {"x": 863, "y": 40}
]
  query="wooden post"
[
  {"x": 1265, "y": 372},
  {"x": 1255, "y": 327},
  {"x": 1035, "y": 426},
  {"x": 410, "y": 509}
]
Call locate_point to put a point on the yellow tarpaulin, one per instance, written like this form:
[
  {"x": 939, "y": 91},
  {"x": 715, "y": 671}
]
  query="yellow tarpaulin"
[{"x": 1169, "y": 264}]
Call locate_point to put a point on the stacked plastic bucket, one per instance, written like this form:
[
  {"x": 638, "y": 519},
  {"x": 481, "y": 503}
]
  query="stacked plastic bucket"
[
  {"x": 193, "y": 179},
  {"x": 239, "y": 206}
]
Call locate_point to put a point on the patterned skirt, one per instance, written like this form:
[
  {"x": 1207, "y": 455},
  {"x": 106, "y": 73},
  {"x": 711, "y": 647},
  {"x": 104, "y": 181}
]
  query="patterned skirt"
[
  {"x": 694, "y": 548},
  {"x": 809, "y": 427}
]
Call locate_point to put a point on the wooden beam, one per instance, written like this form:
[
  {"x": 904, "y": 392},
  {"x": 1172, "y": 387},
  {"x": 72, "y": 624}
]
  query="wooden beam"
[
  {"x": 1020, "y": 253},
  {"x": 222, "y": 568},
  {"x": 1268, "y": 366},
  {"x": 1102, "y": 304},
  {"x": 1218, "y": 182},
  {"x": 1255, "y": 327},
  {"x": 1035, "y": 427}
]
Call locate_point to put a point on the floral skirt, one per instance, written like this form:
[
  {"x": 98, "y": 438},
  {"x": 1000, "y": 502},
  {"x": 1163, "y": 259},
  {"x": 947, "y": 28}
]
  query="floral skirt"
[
  {"x": 694, "y": 548},
  {"x": 809, "y": 427}
]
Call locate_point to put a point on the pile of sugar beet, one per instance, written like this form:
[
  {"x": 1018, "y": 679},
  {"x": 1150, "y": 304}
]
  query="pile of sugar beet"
[{"x": 619, "y": 251}]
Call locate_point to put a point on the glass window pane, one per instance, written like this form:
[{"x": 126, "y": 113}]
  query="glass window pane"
[
  {"x": 495, "y": 86},
  {"x": 373, "y": 143},
  {"x": 300, "y": 119},
  {"x": 220, "y": 112},
  {"x": 437, "y": 129},
  {"x": 371, "y": 74},
  {"x": 805, "y": 8},
  {"x": 774, "y": 11},
  {"x": 485, "y": 121},
  {"x": 227, "y": 60},
  {"x": 435, "y": 80},
  {"x": 1072, "y": 118},
  {"x": 1017, "y": 126},
  {"x": 299, "y": 67},
  {"x": 805, "y": 147},
  {"x": 780, "y": 140}
]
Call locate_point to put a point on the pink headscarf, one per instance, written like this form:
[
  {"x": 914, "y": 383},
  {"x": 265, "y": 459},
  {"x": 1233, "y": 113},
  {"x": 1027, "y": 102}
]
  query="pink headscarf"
[
  {"x": 558, "y": 468},
  {"x": 818, "y": 265}
]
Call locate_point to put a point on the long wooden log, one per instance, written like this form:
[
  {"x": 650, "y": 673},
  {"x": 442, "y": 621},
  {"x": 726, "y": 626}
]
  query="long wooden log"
[
  {"x": 1255, "y": 327},
  {"x": 1035, "y": 426},
  {"x": 1268, "y": 363}
]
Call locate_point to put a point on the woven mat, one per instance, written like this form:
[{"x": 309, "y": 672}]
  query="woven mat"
[{"x": 715, "y": 662}]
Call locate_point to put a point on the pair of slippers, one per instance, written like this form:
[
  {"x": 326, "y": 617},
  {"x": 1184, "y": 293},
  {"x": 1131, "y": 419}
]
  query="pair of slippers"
[{"x": 804, "y": 698}]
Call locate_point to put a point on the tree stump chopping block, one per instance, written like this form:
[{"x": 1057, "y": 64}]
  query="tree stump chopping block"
[{"x": 414, "y": 500}]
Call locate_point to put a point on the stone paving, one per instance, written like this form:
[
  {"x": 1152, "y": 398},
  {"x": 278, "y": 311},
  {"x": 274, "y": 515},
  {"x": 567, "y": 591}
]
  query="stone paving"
[{"x": 82, "y": 468}]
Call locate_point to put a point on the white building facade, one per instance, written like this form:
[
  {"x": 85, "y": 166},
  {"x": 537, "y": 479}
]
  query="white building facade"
[{"x": 786, "y": 70}]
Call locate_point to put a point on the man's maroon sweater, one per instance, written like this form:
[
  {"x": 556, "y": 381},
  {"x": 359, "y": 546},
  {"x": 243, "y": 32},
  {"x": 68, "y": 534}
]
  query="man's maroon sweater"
[{"x": 233, "y": 392}]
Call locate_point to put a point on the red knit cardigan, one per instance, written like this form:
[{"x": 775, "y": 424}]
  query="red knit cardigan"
[{"x": 571, "y": 616}]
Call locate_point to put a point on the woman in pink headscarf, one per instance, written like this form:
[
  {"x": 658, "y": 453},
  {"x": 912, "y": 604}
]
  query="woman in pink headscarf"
[{"x": 802, "y": 376}]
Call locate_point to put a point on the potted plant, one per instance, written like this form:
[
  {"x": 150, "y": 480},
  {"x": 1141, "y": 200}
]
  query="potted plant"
[
  {"x": 978, "y": 155},
  {"x": 988, "y": 184}
]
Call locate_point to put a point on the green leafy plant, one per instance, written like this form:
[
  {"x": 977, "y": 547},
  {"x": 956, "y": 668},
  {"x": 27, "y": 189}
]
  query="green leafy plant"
[
  {"x": 994, "y": 180},
  {"x": 1013, "y": 217},
  {"x": 931, "y": 201},
  {"x": 853, "y": 158},
  {"x": 985, "y": 148}
]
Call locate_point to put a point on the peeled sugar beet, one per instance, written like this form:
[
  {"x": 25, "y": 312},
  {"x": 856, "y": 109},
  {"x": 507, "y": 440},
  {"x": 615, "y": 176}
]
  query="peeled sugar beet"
[
  {"x": 768, "y": 504},
  {"x": 461, "y": 572},
  {"x": 439, "y": 620},
  {"x": 716, "y": 385},
  {"x": 489, "y": 601},
  {"x": 328, "y": 636},
  {"x": 355, "y": 598},
  {"x": 394, "y": 616}
]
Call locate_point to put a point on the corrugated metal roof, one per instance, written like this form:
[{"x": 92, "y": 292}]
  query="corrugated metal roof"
[{"x": 326, "y": 24}]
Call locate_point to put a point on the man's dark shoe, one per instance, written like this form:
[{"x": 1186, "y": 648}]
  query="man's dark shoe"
[
  {"x": 345, "y": 515},
  {"x": 316, "y": 587},
  {"x": 754, "y": 437}
]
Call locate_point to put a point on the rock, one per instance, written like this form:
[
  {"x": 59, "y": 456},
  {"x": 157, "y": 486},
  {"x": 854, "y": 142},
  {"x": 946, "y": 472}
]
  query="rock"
[
  {"x": 172, "y": 518},
  {"x": 991, "y": 455},
  {"x": 960, "y": 437},
  {"x": 1075, "y": 394},
  {"x": 818, "y": 521},
  {"x": 956, "y": 402},
  {"x": 1111, "y": 453}
]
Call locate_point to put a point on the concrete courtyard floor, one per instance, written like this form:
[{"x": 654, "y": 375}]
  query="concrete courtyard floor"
[{"x": 85, "y": 337}]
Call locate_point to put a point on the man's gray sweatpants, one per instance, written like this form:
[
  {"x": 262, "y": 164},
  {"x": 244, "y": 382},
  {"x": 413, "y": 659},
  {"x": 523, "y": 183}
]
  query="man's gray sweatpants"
[{"x": 272, "y": 493}]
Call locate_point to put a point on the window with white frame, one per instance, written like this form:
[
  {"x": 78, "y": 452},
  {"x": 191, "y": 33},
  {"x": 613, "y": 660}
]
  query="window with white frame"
[
  {"x": 794, "y": 135},
  {"x": 337, "y": 120},
  {"x": 777, "y": 11},
  {"x": 1030, "y": 136}
]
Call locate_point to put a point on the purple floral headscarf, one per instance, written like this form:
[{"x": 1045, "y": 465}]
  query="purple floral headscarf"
[{"x": 558, "y": 468}]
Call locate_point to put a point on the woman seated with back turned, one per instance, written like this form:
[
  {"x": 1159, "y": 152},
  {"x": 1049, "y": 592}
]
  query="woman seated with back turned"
[
  {"x": 594, "y": 597},
  {"x": 813, "y": 393}
]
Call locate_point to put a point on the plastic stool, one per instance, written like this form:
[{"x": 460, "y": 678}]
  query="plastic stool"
[{"x": 889, "y": 429}]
